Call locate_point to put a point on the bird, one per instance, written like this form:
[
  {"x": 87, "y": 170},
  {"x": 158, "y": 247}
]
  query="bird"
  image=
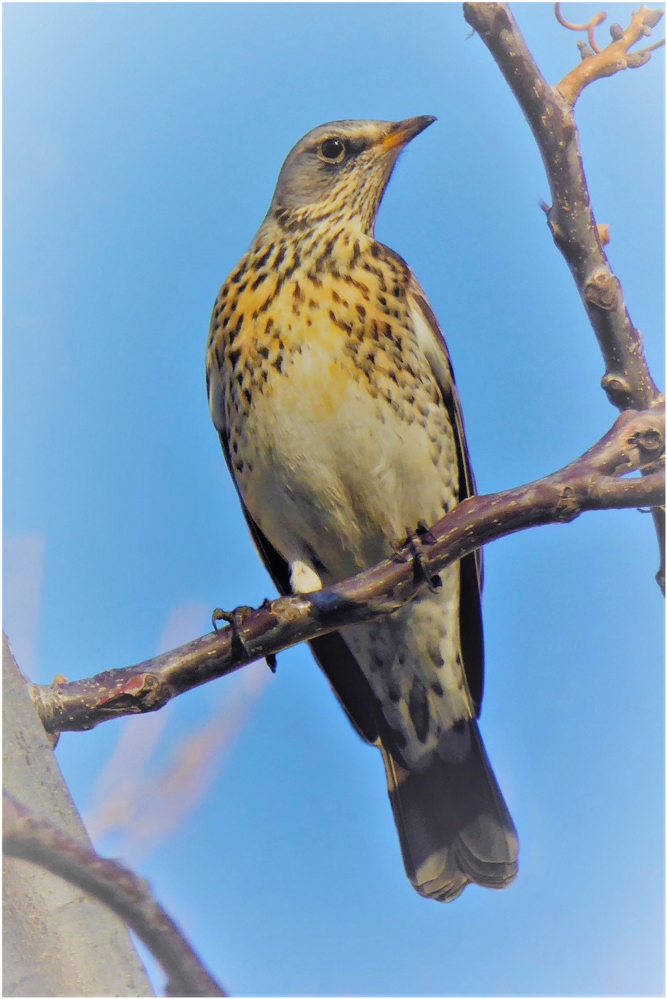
[{"x": 331, "y": 388}]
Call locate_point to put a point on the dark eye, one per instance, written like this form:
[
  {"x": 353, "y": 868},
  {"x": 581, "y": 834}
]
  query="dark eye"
[{"x": 333, "y": 150}]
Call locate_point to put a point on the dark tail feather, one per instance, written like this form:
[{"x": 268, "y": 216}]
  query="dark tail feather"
[{"x": 453, "y": 824}]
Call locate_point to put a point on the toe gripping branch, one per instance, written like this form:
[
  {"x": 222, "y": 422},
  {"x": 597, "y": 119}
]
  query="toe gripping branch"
[
  {"x": 235, "y": 620},
  {"x": 415, "y": 542}
]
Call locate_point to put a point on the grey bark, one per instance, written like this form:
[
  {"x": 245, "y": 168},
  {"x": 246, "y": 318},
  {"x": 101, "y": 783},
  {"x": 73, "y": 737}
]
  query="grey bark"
[{"x": 57, "y": 940}]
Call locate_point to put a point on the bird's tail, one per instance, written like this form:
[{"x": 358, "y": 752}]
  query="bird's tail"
[{"x": 453, "y": 823}]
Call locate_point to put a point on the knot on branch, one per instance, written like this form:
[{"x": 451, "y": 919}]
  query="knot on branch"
[
  {"x": 141, "y": 693},
  {"x": 567, "y": 508},
  {"x": 640, "y": 444},
  {"x": 618, "y": 390},
  {"x": 602, "y": 290},
  {"x": 649, "y": 441},
  {"x": 290, "y": 610},
  {"x": 636, "y": 59}
]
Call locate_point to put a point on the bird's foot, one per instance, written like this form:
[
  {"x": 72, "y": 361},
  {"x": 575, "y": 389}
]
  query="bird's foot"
[
  {"x": 415, "y": 541},
  {"x": 235, "y": 619},
  {"x": 271, "y": 661},
  {"x": 398, "y": 553},
  {"x": 424, "y": 534}
]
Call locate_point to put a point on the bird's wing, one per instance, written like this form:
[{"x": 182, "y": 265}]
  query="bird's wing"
[
  {"x": 470, "y": 613},
  {"x": 332, "y": 654}
]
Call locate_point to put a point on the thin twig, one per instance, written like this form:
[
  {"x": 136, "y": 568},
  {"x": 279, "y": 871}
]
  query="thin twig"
[
  {"x": 652, "y": 48},
  {"x": 589, "y": 28},
  {"x": 615, "y": 57},
  {"x": 592, "y": 482},
  {"x": 28, "y": 837}
]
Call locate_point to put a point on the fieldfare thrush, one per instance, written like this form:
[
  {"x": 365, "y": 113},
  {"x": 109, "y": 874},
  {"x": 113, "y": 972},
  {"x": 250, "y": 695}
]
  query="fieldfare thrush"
[{"x": 332, "y": 391}]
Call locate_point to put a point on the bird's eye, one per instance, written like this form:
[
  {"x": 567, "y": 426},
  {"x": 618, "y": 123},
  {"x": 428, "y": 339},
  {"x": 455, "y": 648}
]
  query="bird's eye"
[{"x": 333, "y": 150}]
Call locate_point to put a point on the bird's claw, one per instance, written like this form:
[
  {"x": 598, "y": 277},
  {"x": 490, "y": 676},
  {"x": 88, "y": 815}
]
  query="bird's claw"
[
  {"x": 271, "y": 661},
  {"x": 414, "y": 542},
  {"x": 399, "y": 556},
  {"x": 235, "y": 620},
  {"x": 425, "y": 534}
]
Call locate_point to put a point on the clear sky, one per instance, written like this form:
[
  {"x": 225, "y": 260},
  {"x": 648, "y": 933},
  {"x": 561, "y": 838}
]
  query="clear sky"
[{"x": 141, "y": 147}]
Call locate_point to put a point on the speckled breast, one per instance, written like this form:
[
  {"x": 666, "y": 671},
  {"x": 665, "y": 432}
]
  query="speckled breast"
[{"x": 333, "y": 418}]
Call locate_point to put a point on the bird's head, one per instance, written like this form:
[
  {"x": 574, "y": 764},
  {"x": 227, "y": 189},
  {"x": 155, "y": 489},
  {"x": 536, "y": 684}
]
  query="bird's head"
[{"x": 339, "y": 172}]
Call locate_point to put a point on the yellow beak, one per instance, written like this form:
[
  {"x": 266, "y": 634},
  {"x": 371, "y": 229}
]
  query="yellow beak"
[{"x": 404, "y": 131}]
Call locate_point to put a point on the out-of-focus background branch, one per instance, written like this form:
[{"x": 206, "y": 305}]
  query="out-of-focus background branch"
[{"x": 27, "y": 837}]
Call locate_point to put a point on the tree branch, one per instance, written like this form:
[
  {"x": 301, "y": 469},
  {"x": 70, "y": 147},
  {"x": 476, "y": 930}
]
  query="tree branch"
[
  {"x": 549, "y": 112},
  {"x": 38, "y": 841},
  {"x": 590, "y": 27},
  {"x": 627, "y": 379},
  {"x": 593, "y": 482},
  {"x": 606, "y": 62}
]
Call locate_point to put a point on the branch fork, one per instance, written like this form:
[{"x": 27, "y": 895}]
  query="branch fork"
[{"x": 597, "y": 63}]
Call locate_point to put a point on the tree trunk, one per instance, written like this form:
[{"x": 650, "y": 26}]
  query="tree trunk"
[{"x": 57, "y": 940}]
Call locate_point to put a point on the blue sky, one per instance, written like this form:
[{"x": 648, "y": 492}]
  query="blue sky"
[{"x": 141, "y": 147}]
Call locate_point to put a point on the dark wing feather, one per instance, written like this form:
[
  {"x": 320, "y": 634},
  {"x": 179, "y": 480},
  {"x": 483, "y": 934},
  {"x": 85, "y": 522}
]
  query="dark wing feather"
[
  {"x": 470, "y": 612},
  {"x": 332, "y": 654}
]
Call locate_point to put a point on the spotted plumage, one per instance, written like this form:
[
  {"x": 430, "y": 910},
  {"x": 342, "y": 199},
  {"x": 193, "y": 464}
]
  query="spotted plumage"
[{"x": 332, "y": 391}]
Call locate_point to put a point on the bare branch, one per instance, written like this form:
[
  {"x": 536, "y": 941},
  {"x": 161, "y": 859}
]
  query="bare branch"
[
  {"x": 549, "y": 112},
  {"x": 31, "y": 838},
  {"x": 590, "y": 27},
  {"x": 627, "y": 380},
  {"x": 593, "y": 482},
  {"x": 615, "y": 57}
]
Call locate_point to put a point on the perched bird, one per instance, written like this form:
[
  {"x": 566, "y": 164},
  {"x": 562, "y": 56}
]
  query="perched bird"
[{"x": 332, "y": 391}]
